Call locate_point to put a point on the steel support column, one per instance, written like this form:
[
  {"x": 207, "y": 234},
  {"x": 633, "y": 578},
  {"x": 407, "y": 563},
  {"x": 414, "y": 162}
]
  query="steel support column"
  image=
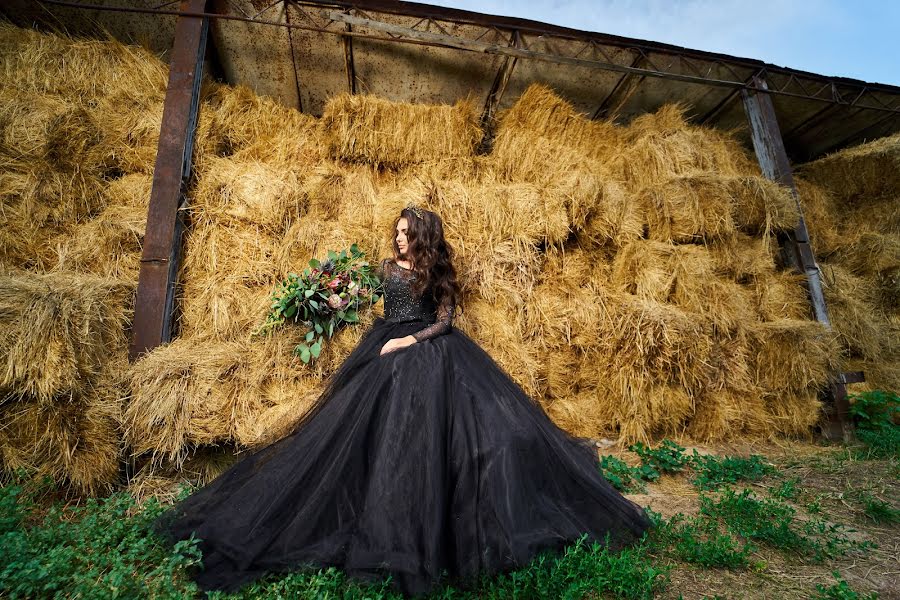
[
  {"x": 162, "y": 240},
  {"x": 773, "y": 160}
]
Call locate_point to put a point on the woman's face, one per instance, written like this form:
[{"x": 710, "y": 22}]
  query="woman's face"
[{"x": 402, "y": 242}]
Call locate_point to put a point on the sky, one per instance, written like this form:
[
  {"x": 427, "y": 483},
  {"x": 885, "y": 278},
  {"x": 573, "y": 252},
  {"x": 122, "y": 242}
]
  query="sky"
[{"x": 845, "y": 38}]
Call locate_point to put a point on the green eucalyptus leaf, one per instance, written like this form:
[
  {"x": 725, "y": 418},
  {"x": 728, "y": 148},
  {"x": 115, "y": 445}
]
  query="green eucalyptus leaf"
[
  {"x": 310, "y": 335},
  {"x": 315, "y": 349},
  {"x": 305, "y": 355},
  {"x": 351, "y": 316},
  {"x": 309, "y": 292},
  {"x": 314, "y": 263},
  {"x": 318, "y": 328}
]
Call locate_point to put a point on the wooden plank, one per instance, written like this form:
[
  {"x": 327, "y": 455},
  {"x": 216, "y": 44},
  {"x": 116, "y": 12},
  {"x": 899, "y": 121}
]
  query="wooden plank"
[
  {"x": 154, "y": 301},
  {"x": 769, "y": 147}
]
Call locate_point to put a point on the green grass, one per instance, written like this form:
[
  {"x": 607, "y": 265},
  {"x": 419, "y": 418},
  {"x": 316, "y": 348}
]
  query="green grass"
[{"x": 88, "y": 551}]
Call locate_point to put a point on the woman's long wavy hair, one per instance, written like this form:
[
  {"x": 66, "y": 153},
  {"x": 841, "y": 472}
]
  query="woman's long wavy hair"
[{"x": 430, "y": 255}]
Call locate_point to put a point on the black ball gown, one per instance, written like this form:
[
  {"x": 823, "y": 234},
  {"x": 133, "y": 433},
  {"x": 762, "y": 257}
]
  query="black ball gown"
[{"x": 424, "y": 462}]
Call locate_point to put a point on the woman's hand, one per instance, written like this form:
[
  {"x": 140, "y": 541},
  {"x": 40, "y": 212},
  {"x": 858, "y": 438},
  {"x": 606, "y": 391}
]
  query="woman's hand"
[{"x": 397, "y": 343}]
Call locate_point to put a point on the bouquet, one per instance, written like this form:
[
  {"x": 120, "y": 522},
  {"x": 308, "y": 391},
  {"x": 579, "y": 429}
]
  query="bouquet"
[{"x": 328, "y": 295}]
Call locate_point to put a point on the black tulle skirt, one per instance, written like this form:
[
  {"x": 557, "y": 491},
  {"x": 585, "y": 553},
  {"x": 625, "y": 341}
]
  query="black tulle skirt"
[{"x": 423, "y": 463}]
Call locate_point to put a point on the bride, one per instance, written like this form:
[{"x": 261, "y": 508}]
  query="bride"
[{"x": 421, "y": 458}]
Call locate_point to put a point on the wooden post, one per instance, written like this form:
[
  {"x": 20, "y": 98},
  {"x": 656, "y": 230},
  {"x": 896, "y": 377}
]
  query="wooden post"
[
  {"x": 773, "y": 160},
  {"x": 154, "y": 302}
]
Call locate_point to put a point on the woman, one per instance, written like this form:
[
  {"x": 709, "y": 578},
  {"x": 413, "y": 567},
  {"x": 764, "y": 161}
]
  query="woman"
[{"x": 422, "y": 457}]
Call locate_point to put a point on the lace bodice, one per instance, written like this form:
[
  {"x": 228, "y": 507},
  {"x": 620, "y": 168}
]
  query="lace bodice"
[{"x": 400, "y": 304}]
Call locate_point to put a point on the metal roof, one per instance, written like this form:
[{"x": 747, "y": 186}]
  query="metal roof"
[{"x": 304, "y": 52}]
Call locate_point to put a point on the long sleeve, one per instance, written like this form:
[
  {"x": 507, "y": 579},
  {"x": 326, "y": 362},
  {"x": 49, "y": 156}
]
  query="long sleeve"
[
  {"x": 441, "y": 326},
  {"x": 381, "y": 269}
]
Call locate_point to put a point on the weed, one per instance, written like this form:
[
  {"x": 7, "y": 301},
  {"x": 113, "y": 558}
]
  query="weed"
[
  {"x": 787, "y": 490},
  {"x": 874, "y": 413},
  {"x": 773, "y": 522},
  {"x": 623, "y": 477},
  {"x": 712, "y": 471},
  {"x": 669, "y": 457},
  {"x": 698, "y": 540},
  {"x": 878, "y": 510},
  {"x": 840, "y": 591}
]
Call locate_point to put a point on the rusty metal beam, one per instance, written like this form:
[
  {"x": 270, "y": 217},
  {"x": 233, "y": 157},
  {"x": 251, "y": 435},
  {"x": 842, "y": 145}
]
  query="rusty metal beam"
[
  {"x": 162, "y": 240},
  {"x": 495, "y": 95},
  {"x": 625, "y": 87},
  {"x": 773, "y": 160}
]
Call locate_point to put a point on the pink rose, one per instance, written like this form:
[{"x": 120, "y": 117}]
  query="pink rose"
[
  {"x": 334, "y": 301},
  {"x": 334, "y": 283}
]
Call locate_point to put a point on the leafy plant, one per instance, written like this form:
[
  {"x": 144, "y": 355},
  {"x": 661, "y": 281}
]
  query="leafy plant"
[
  {"x": 840, "y": 591},
  {"x": 622, "y": 476},
  {"x": 712, "y": 472},
  {"x": 876, "y": 414},
  {"x": 327, "y": 296},
  {"x": 788, "y": 489},
  {"x": 668, "y": 457}
]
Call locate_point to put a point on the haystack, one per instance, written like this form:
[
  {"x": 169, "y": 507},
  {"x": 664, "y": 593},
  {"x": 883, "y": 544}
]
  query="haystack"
[
  {"x": 73, "y": 439},
  {"x": 361, "y": 128},
  {"x": 860, "y": 174},
  {"x": 61, "y": 333}
]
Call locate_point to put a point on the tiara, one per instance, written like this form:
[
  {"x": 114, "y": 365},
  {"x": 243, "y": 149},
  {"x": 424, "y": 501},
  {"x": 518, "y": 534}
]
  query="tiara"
[{"x": 415, "y": 210}]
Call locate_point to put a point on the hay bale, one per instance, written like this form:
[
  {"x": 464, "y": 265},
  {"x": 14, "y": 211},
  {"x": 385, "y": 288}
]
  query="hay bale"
[
  {"x": 234, "y": 120},
  {"x": 869, "y": 170},
  {"x": 66, "y": 66},
  {"x": 60, "y": 333},
  {"x": 583, "y": 414},
  {"x": 73, "y": 439},
  {"x": 542, "y": 112},
  {"x": 743, "y": 258},
  {"x": 615, "y": 217},
  {"x": 215, "y": 252},
  {"x": 525, "y": 157},
  {"x": 662, "y": 145},
  {"x": 131, "y": 190},
  {"x": 363, "y": 128},
  {"x": 791, "y": 356},
  {"x": 822, "y": 215},
  {"x": 222, "y": 309},
  {"x": 867, "y": 252},
  {"x": 182, "y": 395},
  {"x": 781, "y": 295},
  {"x": 248, "y": 191},
  {"x": 861, "y": 328},
  {"x": 645, "y": 410},
  {"x": 497, "y": 327},
  {"x": 730, "y": 414},
  {"x": 794, "y": 413},
  {"x": 688, "y": 209},
  {"x": 109, "y": 245},
  {"x": 648, "y": 341}
]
